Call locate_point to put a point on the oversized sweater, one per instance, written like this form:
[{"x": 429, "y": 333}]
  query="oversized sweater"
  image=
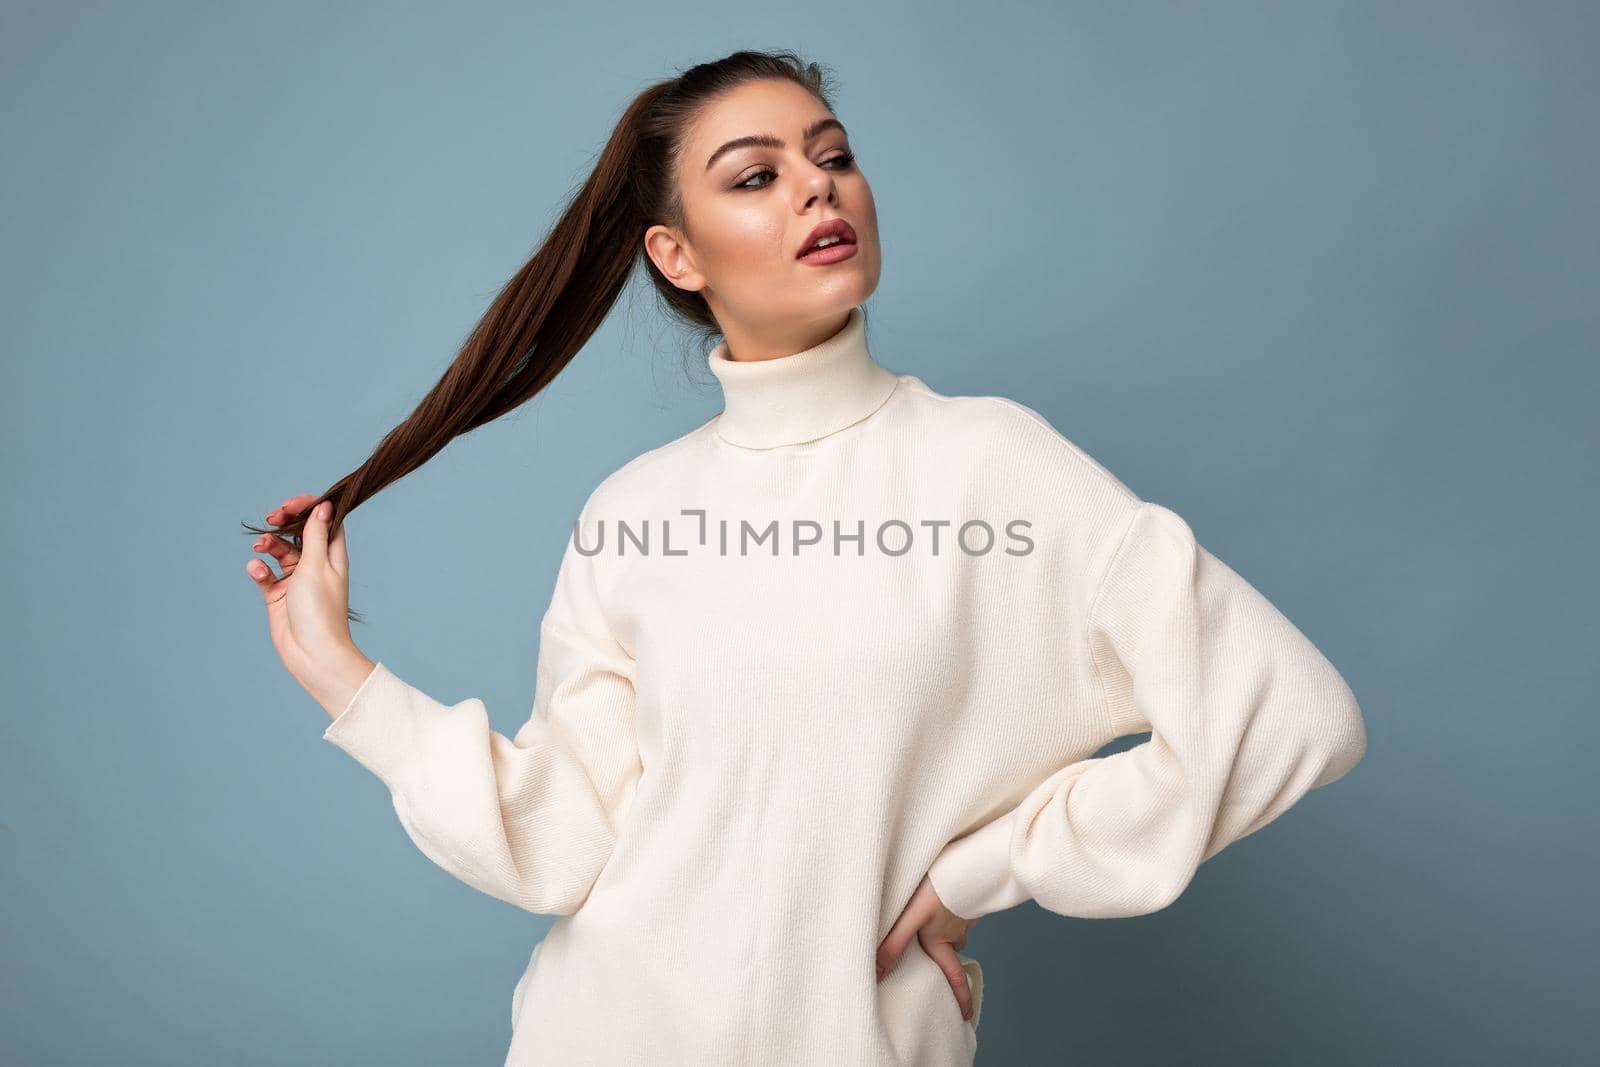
[{"x": 848, "y": 632}]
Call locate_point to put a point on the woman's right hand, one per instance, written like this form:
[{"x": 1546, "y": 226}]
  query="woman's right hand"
[
  {"x": 943, "y": 935},
  {"x": 307, "y": 607}
]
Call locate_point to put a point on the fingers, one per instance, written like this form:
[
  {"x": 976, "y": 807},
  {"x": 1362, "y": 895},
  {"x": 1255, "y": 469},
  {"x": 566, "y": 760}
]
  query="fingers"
[
  {"x": 262, "y": 575},
  {"x": 279, "y": 549},
  {"x": 945, "y": 956},
  {"x": 893, "y": 946},
  {"x": 314, "y": 545},
  {"x": 289, "y": 509},
  {"x": 338, "y": 557}
]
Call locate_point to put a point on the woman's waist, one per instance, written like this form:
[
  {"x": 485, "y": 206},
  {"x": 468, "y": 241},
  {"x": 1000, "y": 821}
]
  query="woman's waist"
[{"x": 814, "y": 990}]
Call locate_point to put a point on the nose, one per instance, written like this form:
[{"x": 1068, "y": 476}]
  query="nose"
[
  {"x": 820, "y": 183},
  {"x": 828, "y": 193}
]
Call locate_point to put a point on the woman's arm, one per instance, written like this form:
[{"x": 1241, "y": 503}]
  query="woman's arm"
[
  {"x": 1246, "y": 715},
  {"x": 530, "y": 820}
]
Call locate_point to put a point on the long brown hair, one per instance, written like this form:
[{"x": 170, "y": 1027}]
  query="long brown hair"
[{"x": 558, "y": 299}]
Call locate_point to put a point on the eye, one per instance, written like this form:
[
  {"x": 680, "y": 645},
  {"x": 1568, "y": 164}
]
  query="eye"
[{"x": 844, "y": 161}]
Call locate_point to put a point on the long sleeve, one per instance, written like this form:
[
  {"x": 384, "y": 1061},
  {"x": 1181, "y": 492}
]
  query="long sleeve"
[
  {"x": 530, "y": 820},
  {"x": 1245, "y": 714}
]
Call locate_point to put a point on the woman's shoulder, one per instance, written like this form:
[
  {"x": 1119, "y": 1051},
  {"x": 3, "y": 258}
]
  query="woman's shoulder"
[
  {"x": 1008, "y": 456},
  {"x": 1009, "y": 437},
  {"x": 644, "y": 475}
]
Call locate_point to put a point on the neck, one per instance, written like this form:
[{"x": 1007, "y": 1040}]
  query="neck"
[
  {"x": 742, "y": 346},
  {"x": 803, "y": 396}
]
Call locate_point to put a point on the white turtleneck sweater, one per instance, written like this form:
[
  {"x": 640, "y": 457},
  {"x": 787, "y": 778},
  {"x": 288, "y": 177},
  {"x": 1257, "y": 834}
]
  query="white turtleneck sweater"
[{"x": 847, "y": 632}]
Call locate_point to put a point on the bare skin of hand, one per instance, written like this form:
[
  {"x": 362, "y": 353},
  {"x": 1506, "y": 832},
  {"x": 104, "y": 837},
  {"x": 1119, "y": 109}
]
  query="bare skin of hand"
[
  {"x": 942, "y": 932},
  {"x": 307, "y": 605}
]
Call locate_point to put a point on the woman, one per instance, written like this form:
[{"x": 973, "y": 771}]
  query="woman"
[{"x": 821, "y": 680}]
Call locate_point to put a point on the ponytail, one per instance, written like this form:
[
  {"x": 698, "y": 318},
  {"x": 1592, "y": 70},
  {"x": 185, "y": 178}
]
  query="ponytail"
[{"x": 558, "y": 299}]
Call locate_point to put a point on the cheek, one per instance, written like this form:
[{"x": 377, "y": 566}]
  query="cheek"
[
  {"x": 868, "y": 211},
  {"x": 749, "y": 236}
]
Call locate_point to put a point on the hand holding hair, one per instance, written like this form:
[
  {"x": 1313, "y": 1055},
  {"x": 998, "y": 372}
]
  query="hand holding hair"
[{"x": 307, "y": 605}]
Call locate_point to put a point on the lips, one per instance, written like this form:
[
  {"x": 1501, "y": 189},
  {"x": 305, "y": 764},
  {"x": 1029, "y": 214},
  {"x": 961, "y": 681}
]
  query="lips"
[{"x": 831, "y": 228}]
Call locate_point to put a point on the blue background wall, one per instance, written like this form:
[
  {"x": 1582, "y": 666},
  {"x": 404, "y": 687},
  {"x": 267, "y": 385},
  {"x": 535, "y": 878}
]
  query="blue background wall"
[{"x": 1320, "y": 277}]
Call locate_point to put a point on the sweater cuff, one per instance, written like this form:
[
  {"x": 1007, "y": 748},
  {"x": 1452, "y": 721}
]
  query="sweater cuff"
[
  {"x": 367, "y": 728},
  {"x": 973, "y": 875}
]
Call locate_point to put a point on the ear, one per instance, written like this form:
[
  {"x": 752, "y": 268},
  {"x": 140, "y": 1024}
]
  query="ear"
[{"x": 672, "y": 256}]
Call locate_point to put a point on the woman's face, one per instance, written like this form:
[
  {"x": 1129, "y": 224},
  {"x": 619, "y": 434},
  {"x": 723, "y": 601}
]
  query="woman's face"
[{"x": 750, "y": 210}]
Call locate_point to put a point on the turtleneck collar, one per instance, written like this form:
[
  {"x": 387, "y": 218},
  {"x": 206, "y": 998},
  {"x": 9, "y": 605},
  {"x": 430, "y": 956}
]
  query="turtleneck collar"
[{"x": 787, "y": 400}]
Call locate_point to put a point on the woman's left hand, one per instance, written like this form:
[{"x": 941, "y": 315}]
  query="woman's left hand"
[{"x": 942, "y": 932}]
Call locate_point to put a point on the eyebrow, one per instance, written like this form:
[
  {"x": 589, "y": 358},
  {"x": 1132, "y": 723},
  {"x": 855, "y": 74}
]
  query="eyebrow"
[{"x": 767, "y": 140}]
